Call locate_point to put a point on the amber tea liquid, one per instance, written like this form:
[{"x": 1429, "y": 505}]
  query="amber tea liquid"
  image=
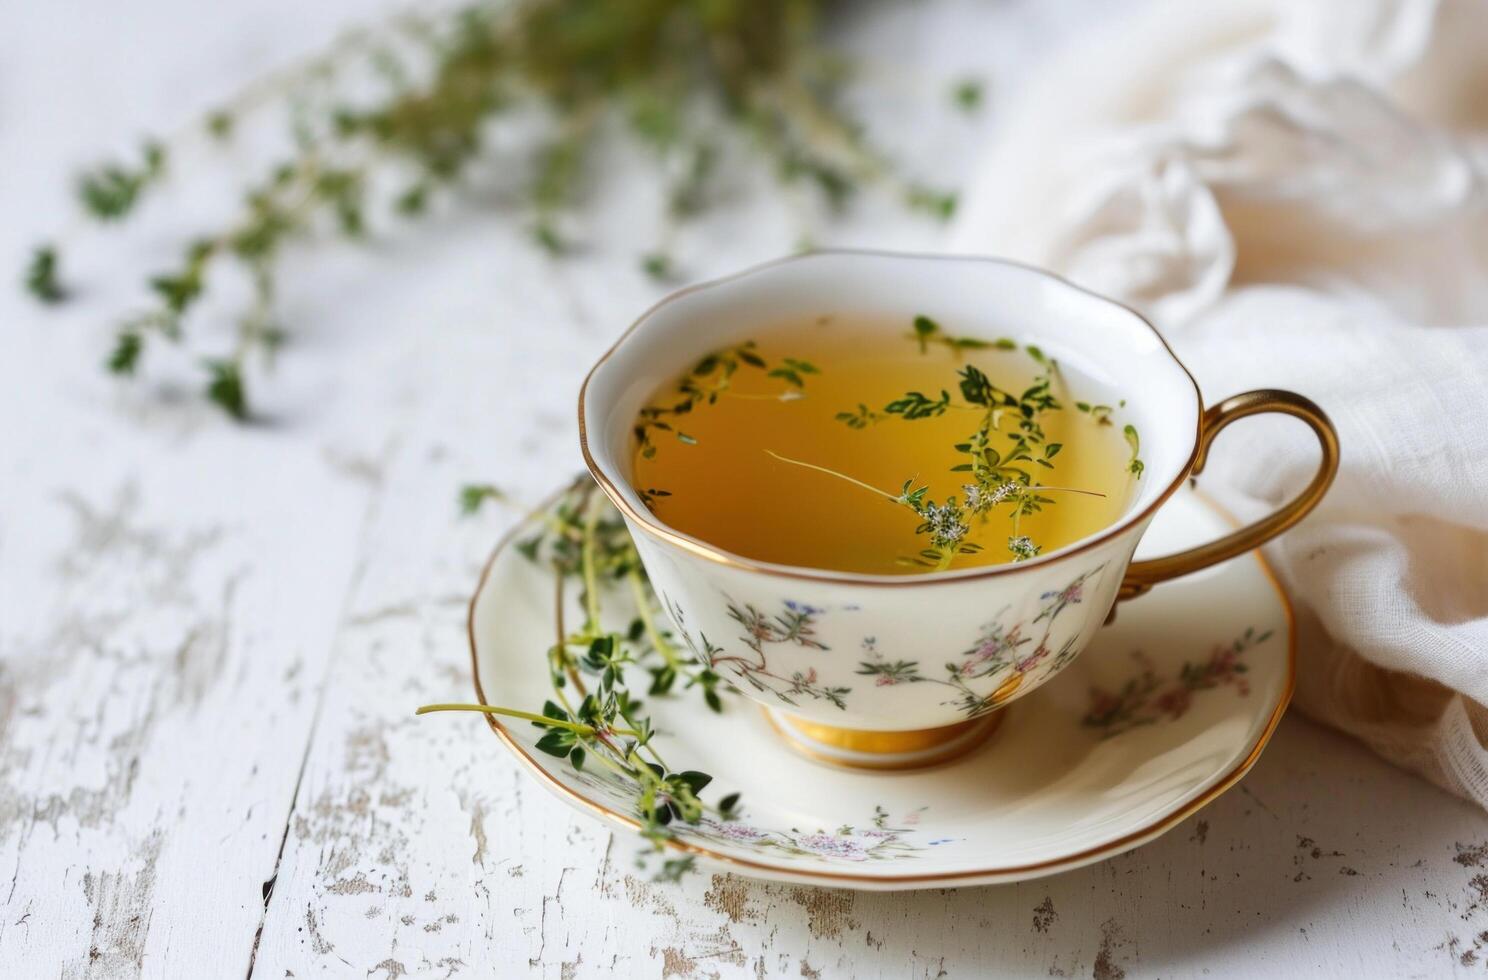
[{"x": 708, "y": 470}]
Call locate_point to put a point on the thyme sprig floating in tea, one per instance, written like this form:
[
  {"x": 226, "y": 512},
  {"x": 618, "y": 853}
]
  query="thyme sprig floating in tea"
[
  {"x": 1135, "y": 466},
  {"x": 947, "y": 524},
  {"x": 392, "y": 118},
  {"x": 709, "y": 380},
  {"x": 1001, "y": 453},
  {"x": 1102, "y": 416},
  {"x": 927, "y": 332},
  {"x": 584, "y": 540},
  {"x": 1020, "y": 452}
]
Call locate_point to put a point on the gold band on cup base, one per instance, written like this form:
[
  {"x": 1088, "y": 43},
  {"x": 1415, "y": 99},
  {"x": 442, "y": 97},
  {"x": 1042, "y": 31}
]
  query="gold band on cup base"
[{"x": 856, "y": 748}]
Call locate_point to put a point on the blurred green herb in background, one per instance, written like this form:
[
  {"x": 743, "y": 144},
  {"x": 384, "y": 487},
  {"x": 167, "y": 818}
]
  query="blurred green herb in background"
[{"x": 680, "y": 75}]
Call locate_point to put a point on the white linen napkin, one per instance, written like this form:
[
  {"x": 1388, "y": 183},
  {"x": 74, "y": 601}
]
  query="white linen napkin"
[{"x": 1296, "y": 191}]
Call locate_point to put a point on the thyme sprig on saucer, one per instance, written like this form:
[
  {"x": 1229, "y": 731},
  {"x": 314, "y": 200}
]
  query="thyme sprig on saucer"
[
  {"x": 601, "y": 723},
  {"x": 393, "y": 118}
]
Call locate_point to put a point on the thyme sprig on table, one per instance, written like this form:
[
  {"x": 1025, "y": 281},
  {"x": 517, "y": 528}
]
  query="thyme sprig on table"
[
  {"x": 42, "y": 279},
  {"x": 601, "y": 723},
  {"x": 390, "y": 119}
]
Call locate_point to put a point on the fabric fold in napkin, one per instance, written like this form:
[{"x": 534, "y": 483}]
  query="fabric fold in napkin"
[{"x": 1297, "y": 194}]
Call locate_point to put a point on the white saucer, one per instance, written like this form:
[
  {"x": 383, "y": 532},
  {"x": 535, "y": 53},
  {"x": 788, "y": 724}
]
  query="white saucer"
[{"x": 1169, "y": 706}]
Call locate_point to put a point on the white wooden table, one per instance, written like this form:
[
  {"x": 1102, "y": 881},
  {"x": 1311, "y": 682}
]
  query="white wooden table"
[{"x": 212, "y": 637}]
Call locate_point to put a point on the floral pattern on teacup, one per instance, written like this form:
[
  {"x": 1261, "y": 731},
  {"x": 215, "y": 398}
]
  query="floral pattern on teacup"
[
  {"x": 1000, "y": 652},
  {"x": 794, "y": 624},
  {"x": 980, "y": 678}
]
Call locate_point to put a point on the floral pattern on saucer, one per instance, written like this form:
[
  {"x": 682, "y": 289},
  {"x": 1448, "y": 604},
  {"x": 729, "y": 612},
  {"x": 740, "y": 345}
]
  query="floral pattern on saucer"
[
  {"x": 846, "y": 844},
  {"x": 881, "y": 840},
  {"x": 1145, "y": 699}
]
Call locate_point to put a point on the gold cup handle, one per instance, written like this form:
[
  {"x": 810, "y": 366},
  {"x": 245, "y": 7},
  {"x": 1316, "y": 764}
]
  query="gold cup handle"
[{"x": 1143, "y": 575}]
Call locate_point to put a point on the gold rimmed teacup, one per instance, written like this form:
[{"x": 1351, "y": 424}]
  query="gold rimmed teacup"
[{"x": 1050, "y": 606}]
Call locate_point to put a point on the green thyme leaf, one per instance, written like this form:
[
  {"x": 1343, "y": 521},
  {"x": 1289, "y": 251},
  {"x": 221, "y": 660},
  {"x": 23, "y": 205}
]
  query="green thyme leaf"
[
  {"x": 657, "y": 265},
  {"x": 916, "y": 405},
  {"x": 474, "y": 495},
  {"x": 225, "y": 388},
  {"x": 220, "y": 124},
  {"x": 126, "y": 353},
  {"x": 696, "y": 781},
  {"x": 940, "y": 205},
  {"x": 556, "y": 743},
  {"x": 967, "y": 95},
  {"x": 177, "y": 291},
  {"x": 110, "y": 191},
  {"x": 1136, "y": 466},
  {"x": 674, "y": 869},
  {"x": 41, "y": 277}
]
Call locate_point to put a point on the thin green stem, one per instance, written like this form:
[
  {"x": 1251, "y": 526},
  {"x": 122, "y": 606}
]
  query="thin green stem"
[
  {"x": 559, "y": 652},
  {"x": 555, "y": 525},
  {"x": 591, "y": 580},
  {"x": 1088, "y": 493},
  {"x": 789, "y": 395},
  {"x": 840, "y": 476},
  {"x": 619, "y": 768},
  {"x": 589, "y": 731},
  {"x": 648, "y": 746},
  {"x": 510, "y": 713},
  {"x": 645, "y": 771},
  {"x": 648, "y": 620}
]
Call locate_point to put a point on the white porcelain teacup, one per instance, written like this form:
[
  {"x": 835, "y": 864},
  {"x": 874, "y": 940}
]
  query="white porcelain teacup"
[{"x": 797, "y": 639}]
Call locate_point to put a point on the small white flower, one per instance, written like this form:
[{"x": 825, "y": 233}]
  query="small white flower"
[
  {"x": 1004, "y": 492},
  {"x": 980, "y": 500},
  {"x": 1022, "y": 547},
  {"x": 945, "y": 525},
  {"x": 974, "y": 500}
]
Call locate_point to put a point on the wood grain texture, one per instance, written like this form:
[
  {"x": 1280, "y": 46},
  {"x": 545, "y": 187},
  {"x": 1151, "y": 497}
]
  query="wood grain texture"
[{"x": 212, "y": 638}]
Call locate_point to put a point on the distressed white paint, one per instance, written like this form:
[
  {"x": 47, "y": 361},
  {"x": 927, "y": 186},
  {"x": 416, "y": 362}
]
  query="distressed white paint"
[{"x": 211, "y": 638}]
